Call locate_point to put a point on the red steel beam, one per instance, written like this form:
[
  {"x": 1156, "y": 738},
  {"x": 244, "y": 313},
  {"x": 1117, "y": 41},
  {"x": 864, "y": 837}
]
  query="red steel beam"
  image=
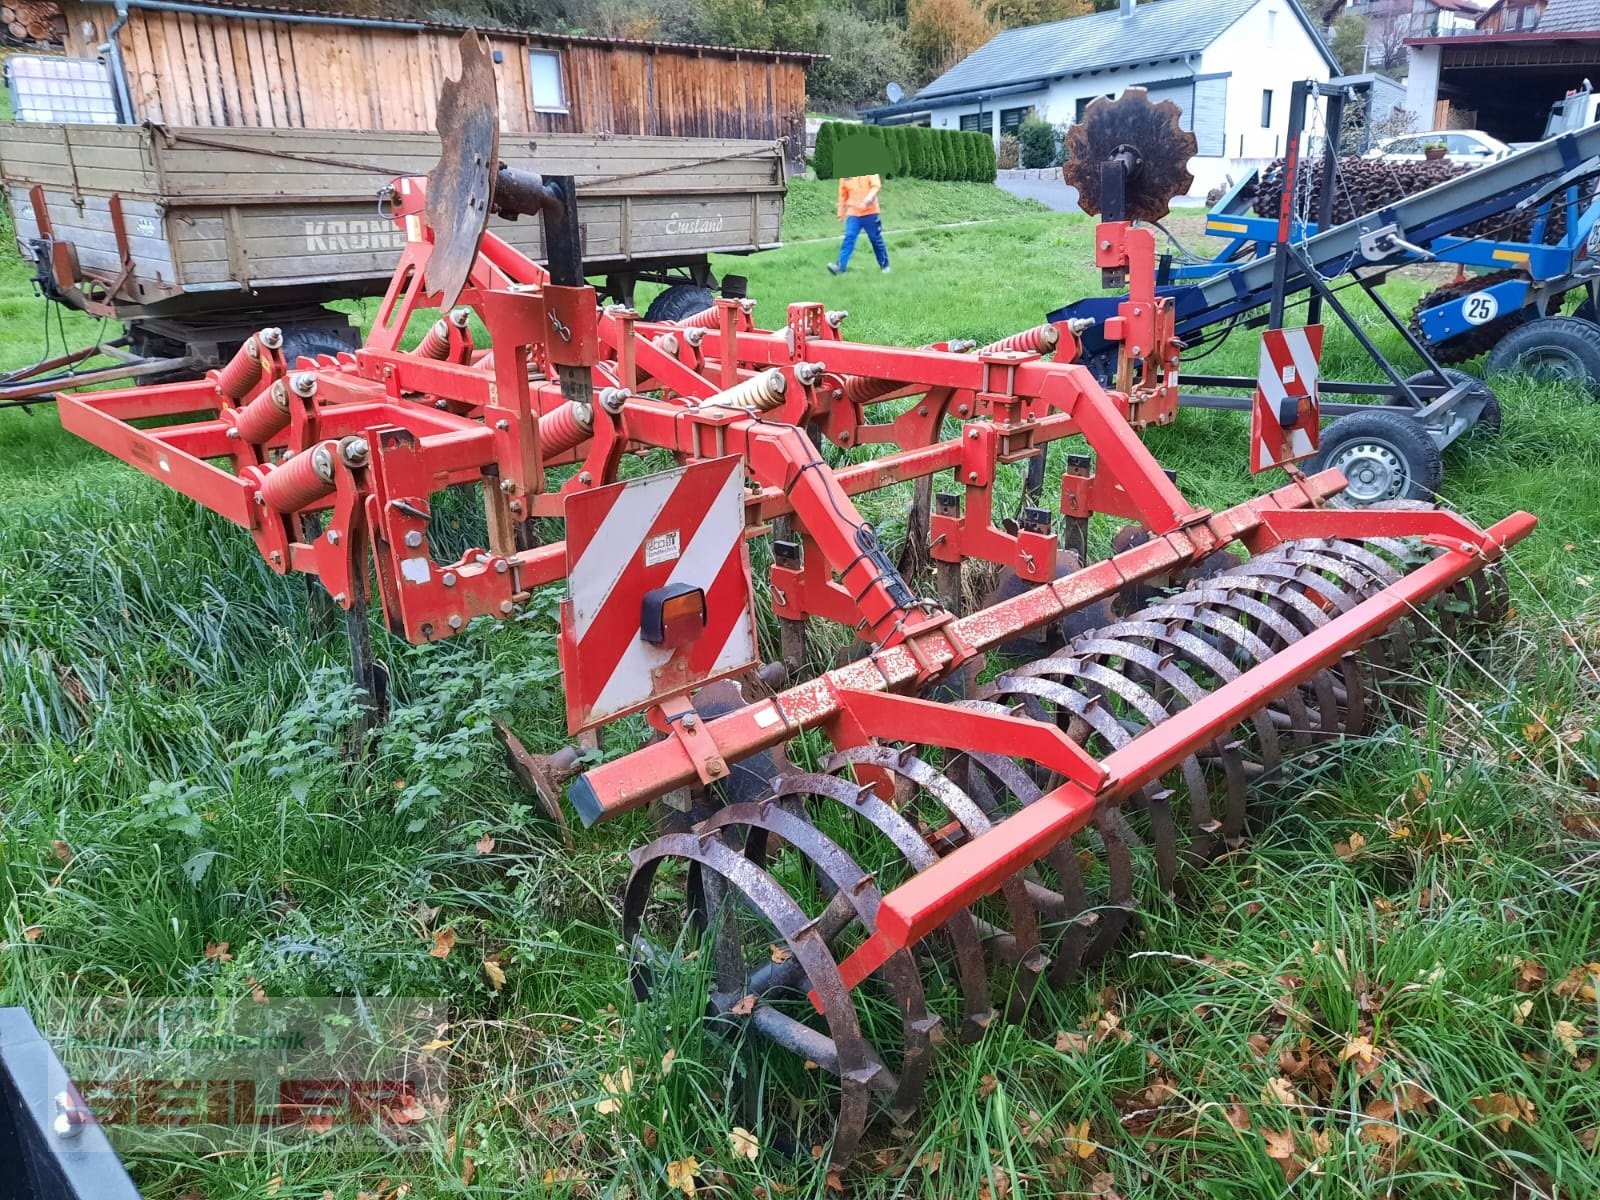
[{"x": 927, "y": 900}]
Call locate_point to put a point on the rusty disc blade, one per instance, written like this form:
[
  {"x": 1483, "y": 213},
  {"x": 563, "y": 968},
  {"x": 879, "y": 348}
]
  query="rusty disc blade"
[
  {"x": 461, "y": 187},
  {"x": 1153, "y": 131}
]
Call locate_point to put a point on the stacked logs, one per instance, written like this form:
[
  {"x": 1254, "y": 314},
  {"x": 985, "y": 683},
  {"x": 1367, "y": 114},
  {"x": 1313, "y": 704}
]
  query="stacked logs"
[
  {"x": 1364, "y": 185},
  {"x": 33, "y": 22}
]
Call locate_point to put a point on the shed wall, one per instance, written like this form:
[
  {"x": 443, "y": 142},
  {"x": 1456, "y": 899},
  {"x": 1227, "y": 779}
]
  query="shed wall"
[{"x": 187, "y": 69}]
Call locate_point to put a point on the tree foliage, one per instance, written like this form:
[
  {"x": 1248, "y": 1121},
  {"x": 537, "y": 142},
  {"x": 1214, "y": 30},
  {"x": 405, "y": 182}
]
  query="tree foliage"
[
  {"x": 822, "y": 156},
  {"x": 940, "y": 33},
  {"x": 1349, "y": 36}
]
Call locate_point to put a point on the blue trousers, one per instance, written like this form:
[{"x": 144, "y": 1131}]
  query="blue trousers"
[{"x": 853, "y": 228}]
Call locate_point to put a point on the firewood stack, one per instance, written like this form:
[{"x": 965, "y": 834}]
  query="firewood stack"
[
  {"x": 33, "y": 22},
  {"x": 1364, "y": 185}
]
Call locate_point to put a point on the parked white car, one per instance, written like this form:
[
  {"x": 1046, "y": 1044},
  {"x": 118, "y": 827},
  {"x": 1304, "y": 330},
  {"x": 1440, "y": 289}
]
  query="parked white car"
[{"x": 1461, "y": 146}]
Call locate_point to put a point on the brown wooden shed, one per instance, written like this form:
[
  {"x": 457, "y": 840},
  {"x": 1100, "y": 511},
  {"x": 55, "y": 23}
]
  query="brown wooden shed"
[{"x": 367, "y": 65}]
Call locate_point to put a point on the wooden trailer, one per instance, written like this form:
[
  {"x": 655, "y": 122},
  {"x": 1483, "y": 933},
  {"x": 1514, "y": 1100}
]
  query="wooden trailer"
[{"x": 236, "y": 179}]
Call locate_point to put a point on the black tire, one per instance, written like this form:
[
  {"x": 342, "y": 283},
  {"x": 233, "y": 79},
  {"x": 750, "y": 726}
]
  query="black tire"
[
  {"x": 1386, "y": 456},
  {"x": 679, "y": 301},
  {"x": 1489, "y": 415},
  {"x": 308, "y": 341},
  {"x": 1553, "y": 349}
]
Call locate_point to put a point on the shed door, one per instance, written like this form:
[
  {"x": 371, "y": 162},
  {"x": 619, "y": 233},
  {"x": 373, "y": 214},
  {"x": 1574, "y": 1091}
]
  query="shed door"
[
  {"x": 1180, "y": 92},
  {"x": 1210, "y": 116}
]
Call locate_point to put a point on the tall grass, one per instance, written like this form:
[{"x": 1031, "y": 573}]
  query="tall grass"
[{"x": 171, "y": 778}]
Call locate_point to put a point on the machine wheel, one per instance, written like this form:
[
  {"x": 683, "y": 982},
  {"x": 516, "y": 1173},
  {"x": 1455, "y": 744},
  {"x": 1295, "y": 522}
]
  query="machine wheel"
[
  {"x": 1562, "y": 349},
  {"x": 1489, "y": 415},
  {"x": 1386, "y": 455},
  {"x": 308, "y": 341},
  {"x": 679, "y": 301}
]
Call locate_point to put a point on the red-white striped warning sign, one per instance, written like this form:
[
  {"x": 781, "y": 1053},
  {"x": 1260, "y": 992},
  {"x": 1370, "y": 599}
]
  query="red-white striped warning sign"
[
  {"x": 1285, "y": 420},
  {"x": 625, "y": 543}
]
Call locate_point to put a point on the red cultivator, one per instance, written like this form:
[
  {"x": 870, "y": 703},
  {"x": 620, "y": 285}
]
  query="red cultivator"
[{"x": 1005, "y": 835}]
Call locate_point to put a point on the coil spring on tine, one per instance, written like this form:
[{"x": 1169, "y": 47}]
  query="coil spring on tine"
[
  {"x": 1048, "y": 922},
  {"x": 1041, "y": 339}
]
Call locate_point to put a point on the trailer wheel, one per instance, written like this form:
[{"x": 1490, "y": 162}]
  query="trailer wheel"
[
  {"x": 679, "y": 301},
  {"x": 1385, "y": 455},
  {"x": 1489, "y": 415},
  {"x": 1556, "y": 349},
  {"x": 311, "y": 340}
]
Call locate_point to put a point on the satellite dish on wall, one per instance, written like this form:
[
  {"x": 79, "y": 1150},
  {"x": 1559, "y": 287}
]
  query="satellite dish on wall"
[{"x": 894, "y": 91}]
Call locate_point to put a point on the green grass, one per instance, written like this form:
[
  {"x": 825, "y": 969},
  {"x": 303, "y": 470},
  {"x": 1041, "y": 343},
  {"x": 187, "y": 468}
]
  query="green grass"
[{"x": 150, "y": 665}]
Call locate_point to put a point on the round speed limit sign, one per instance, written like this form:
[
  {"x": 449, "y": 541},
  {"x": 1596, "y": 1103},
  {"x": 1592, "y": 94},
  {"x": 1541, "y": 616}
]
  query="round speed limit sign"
[{"x": 1480, "y": 308}]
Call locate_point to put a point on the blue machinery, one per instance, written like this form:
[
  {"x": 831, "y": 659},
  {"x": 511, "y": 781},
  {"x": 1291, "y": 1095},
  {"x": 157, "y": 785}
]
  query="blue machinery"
[{"x": 1390, "y": 449}]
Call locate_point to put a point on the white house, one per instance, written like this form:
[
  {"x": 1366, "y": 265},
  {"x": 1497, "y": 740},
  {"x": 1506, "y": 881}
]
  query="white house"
[{"x": 1229, "y": 65}]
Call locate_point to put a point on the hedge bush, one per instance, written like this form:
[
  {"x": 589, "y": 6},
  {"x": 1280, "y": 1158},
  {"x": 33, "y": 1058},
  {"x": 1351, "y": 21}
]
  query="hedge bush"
[
  {"x": 1041, "y": 146},
  {"x": 916, "y": 151}
]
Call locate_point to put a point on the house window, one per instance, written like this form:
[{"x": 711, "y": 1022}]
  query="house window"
[
  {"x": 972, "y": 122},
  {"x": 1083, "y": 105},
  {"x": 1010, "y": 118},
  {"x": 1266, "y": 108},
  {"x": 544, "y": 79}
]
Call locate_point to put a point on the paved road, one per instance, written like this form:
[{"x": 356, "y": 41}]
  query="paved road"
[{"x": 1051, "y": 191}]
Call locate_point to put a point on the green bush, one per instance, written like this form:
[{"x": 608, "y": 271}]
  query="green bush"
[
  {"x": 902, "y": 144},
  {"x": 822, "y": 156},
  {"x": 976, "y": 171},
  {"x": 917, "y": 151},
  {"x": 946, "y": 166},
  {"x": 990, "y": 163},
  {"x": 1040, "y": 147}
]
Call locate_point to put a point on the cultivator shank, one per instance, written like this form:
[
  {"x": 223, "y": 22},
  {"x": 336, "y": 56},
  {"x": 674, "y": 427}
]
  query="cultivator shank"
[{"x": 1001, "y": 835}]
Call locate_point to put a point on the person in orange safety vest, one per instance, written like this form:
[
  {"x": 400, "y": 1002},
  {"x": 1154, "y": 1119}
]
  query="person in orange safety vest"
[{"x": 858, "y": 209}]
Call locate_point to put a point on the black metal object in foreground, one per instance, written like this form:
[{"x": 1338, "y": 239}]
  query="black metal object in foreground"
[{"x": 50, "y": 1148}]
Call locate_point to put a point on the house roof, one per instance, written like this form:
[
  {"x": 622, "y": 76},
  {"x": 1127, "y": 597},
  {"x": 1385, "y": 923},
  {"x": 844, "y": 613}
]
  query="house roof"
[
  {"x": 1569, "y": 16},
  {"x": 1154, "y": 32},
  {"x": 412, "y": 13}
]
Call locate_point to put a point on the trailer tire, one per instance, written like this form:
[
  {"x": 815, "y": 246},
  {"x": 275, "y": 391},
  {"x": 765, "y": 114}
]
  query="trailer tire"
[
  {"x": 1386, "y": 456},
  {"x": 312, "y": 340},
  {"x": 1565, "y": 349},
  {"x": 679, "y": 301},
  {"x": 1489, "y": 415}
]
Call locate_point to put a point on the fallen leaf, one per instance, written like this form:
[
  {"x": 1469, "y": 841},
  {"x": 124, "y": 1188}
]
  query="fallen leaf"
[
  {"x": 616, "y": 1086},
  {"x": 1530, "y": 975},
  {"x": 1567, "y": 1034},
  {"x": 778, "y": 954},
  {"x": 1520, "y": 1011},
  {"x": 744, "y": 1007},
  {"x": 1071, "y": 1043},
  {"x": 1579, "y": 982},
  {"x": 1380, "y": 1130},
  {"x": 1503, "y": 1108},
  {"x": 667, "y": 1060},
  {"x": 931, "y": 1161},
  {"x": 1413, "y": 1097},
  {"x": 1589, "y": 1138},
  {"x": 681, "y": 1173},
  {"x": 1281, "y": 1148},
  {"x": 1280, "y": 1091},
  {"x": 1351, "y": 848},
  {"x": 986, "y": 1086},
  {"x": 1363, "y": 1052},
  {"x": 444, "y": 941},
  {"x": 495, "y": 973},
  {"x": 1104, "y": 1187},
  {"x": 1422, "y": 788},
  {"x": 62, "y": 851},
  {"x": 1239, "y": 1117},
  {"x": 743, "y": 1143},
  {"x": 484, "y": 845},
  {"x": 274, "y": 1184},
  {"x": 257, "y": 992},
  {"x": 1078, "y": 1141},
  {"x": 434, "y": 1045},
  {"x": 218, "y": 952},
  {"x": 33, "y": 932},
  {"x": 834, "y": 1182}
]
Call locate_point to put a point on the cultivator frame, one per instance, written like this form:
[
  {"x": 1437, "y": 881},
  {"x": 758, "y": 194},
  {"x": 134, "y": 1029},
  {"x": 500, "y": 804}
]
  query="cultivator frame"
[{"x": 331, "y": 465}]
